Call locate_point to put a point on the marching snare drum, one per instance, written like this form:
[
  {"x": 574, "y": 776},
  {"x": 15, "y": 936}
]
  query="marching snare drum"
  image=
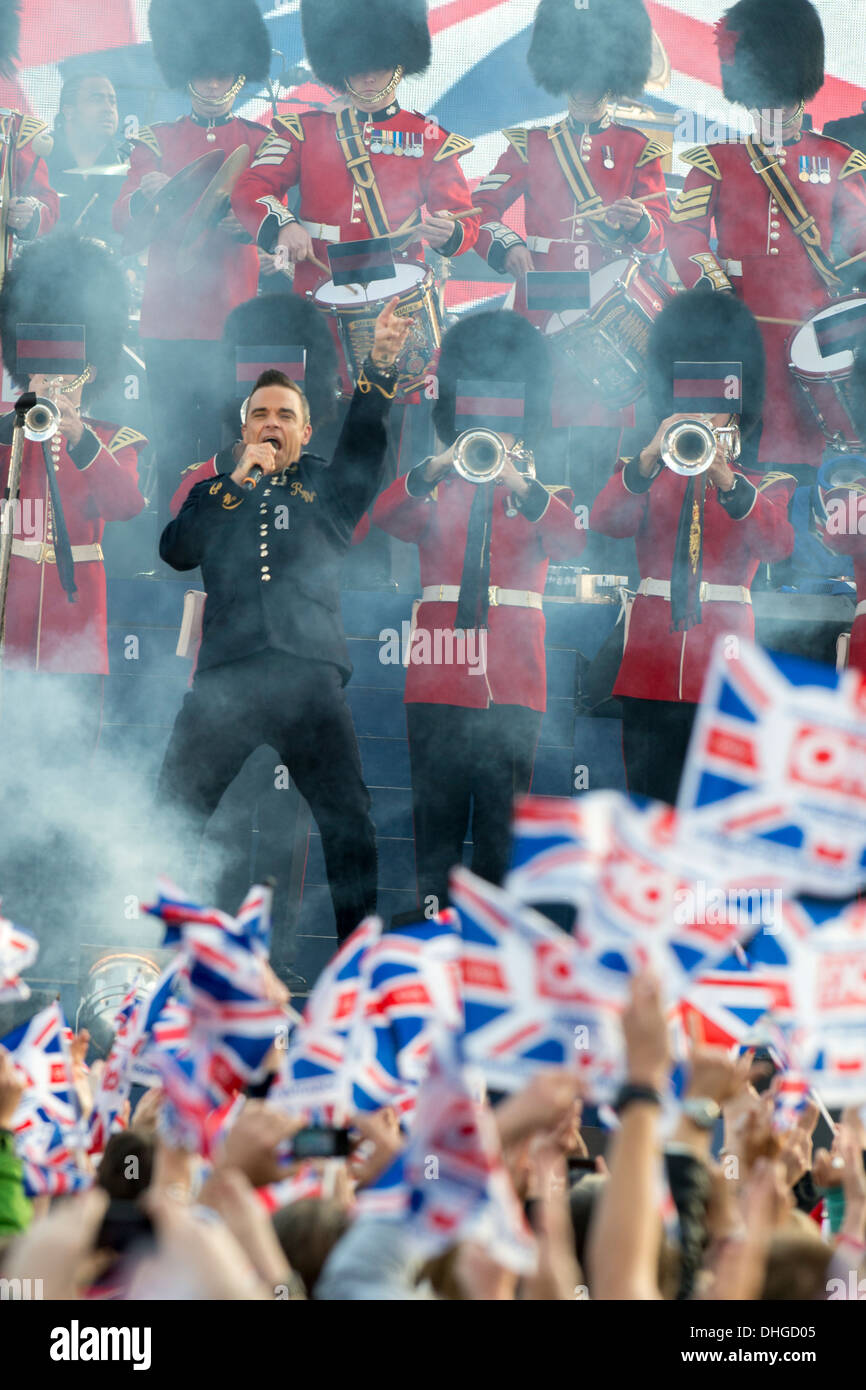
[
  {"x": 826, "y": 381},
  {"x": 606, "y": 345},
  {"x": 356, "y": 313}
]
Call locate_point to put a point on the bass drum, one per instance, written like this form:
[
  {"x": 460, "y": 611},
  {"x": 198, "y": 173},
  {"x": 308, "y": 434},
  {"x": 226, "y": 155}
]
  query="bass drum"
[{"x": 825, "y": 379}]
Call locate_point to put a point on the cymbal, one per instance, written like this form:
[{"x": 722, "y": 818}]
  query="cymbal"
[
  {"x": 211, "y": 206},
  {"x": 106, "y": 170},
  {"x": 171, "y": 202}
]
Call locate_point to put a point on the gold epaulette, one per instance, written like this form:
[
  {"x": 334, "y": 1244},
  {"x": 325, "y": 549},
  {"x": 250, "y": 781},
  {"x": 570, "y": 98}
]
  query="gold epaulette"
[
  {"x": 854, "y": 164},
  {"x": 28, "y": 130},
  {"x": 554, "y": 488},
  {"x": 453, "y": 144},
  {"x": 191, "y": 467},
  {"x": 769, "y": 479},
  {"x": 123, "y": 438},
  {"x": 653, "y": 149},
  {"x": 518, "y": 138},
  {"x": 146, "y": 137},
  {"x": 291, "y": 123},
  {"x": 701, "y": 158}
]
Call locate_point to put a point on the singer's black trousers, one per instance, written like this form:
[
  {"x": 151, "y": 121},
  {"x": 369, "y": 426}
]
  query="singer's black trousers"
[{"x": 299, "y": 709}]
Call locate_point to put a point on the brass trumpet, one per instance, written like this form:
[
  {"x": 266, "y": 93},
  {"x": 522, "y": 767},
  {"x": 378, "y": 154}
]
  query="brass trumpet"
[
  {"x": 480, "y": 454},
  {"x": 41, "y": 420},
  {"x": 689, "y": 446}
]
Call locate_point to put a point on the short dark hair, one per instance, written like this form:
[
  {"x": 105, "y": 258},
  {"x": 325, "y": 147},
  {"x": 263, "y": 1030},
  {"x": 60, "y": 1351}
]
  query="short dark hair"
[
  {"x": 113, "y": 1173},
  {"x": 71, "y": 88},
  {"x": 272, "y": 376}
]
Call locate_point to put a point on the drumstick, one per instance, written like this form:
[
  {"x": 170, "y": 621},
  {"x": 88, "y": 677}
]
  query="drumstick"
[
  {"x": 600, "y": 212},
  {"x": 861, "y": 255},
  {"x": 789, "y": 323},
  {"x": 410, "y": 225}
]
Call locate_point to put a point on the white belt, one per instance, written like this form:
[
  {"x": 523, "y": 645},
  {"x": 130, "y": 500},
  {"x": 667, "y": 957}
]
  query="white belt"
[
  {"x": 44, "y": 554},
  {"x": 732, "y": 267},
  {"x": 860, "y": 609},
  {"x": 496, "y": 597},
  {"x": 320, "y": 231},
  {"x": 541, "y": 243},
  {"x": 707, "y": 593}
]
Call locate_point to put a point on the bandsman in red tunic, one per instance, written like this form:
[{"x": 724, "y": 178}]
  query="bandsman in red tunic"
[
  {"x": 476, "y": 678},
  {"x": 209, "y": 48},
  {"x": 368, "y": 168},
  {"x": 79, "y": 478},
  {"x": 699, "y": 539},
  {"x": 25, "y": 143},
  {"x": 776, "y": 200},
  {"x": 593, "y": 193}
]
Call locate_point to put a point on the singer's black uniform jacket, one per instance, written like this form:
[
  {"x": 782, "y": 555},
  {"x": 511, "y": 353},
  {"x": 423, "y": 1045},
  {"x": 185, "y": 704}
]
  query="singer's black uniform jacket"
[
  {"x": 273, "y": 657},
  {"x": 270, "y": 556}
]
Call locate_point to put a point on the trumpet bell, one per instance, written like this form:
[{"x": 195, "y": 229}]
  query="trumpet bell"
[
  {"x": 479, "y": 455},
  {"x": 41, "y": 420},
  {"x": 688, "y": 448}
]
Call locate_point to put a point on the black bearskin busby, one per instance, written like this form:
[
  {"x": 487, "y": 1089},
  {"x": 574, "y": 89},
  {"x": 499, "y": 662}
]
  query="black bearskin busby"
[
  {"x": 771, "y": 52},
  {"x": 497, "y": 345},
  {"x": 209, "y": 38},
  {"x": 705, "y": 326},
  {"x": 284, "y": 320},
  {"x": 64, "y": 278},
  {"x": 607, "y": 45},
  {"x": 344, "y": 37},
  {"x": 10, "y": 26}
]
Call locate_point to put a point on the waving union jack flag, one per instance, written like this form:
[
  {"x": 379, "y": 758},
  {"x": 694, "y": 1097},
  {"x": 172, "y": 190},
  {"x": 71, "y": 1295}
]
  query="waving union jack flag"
[
  {"x": 18, "y": 951},
  {"x": 48, "y": 1125}
]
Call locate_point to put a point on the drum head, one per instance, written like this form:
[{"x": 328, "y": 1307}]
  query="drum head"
[
  {"x": 408, "y": 274},
  {"x": 804, "y": 351}
]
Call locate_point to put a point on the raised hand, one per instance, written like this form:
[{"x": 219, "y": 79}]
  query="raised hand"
[{"x": 390, "y": 334}]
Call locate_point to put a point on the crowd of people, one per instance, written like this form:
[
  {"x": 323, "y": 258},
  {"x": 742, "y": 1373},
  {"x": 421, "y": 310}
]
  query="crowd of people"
[{"x": 285, "y": 298}]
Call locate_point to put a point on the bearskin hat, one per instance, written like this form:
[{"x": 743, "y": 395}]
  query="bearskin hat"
[
  {"x": 10, "y": 27},
  {"x": 285, "y": 320},
  {"x": 65, "y": 278},
  {"x": 705, "y": 326},
  {"x": 609, "y": 43},
  {"x": 496, "y": 345},
  {"x": 209, "y": 38},
  {"x": 344, "y": 37},
  {"x": 771, "y": 52}
]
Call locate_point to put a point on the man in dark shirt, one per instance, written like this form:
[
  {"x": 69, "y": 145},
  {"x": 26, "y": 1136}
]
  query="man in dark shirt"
[
  {"x": 84, "y": 138},
  {"x": 273, "y": 659}
]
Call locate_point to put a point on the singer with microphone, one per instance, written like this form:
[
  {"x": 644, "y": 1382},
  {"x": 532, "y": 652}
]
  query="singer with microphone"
[{"x": 270, "y": 533}]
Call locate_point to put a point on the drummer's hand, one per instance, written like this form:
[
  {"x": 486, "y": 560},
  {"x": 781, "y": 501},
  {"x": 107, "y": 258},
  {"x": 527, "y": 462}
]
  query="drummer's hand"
[
  {"x": 440, "y": 465},
  {"x": 21, "y": 212},
  {"x": 624, "y": 213},
  {"x": 267, "y": 262},
  {"x": 519, "y": 261},
  {"x": 262, "y": 455},
  {"x": 297, "y": 242},
  {"x": 71, "y": 425},
  {"x": 390, "y": 333},
  {"x": 152, "y": 183},
  {"x": 438, "y": 227},
  {"x": 233, "y": 228}
]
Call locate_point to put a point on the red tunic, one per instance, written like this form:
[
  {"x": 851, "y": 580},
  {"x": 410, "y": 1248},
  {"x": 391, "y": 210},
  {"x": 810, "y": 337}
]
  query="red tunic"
[
  {"x": 304, "y": 150},
  {"x": 530, "y": 169},
  {"x": 27, "y": 182},
  {"x": 519, "y": 554},
  {"x": 761, "y": 259},
  {"x": 44, "y": 631},
  {"x": 844, "y": 532},
  {"x": 658, "y": 664},
  {"x": 196, "y": 303}
]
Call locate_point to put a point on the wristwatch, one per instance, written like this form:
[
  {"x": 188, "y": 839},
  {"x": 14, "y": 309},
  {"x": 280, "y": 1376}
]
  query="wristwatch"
[
  {"x": 632, "y": 1091},
  {"x": 702, "y": 1112}
]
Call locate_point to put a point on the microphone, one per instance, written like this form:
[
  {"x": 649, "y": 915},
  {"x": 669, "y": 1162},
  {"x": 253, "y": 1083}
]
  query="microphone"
[{"x": 253, "y": 476}]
